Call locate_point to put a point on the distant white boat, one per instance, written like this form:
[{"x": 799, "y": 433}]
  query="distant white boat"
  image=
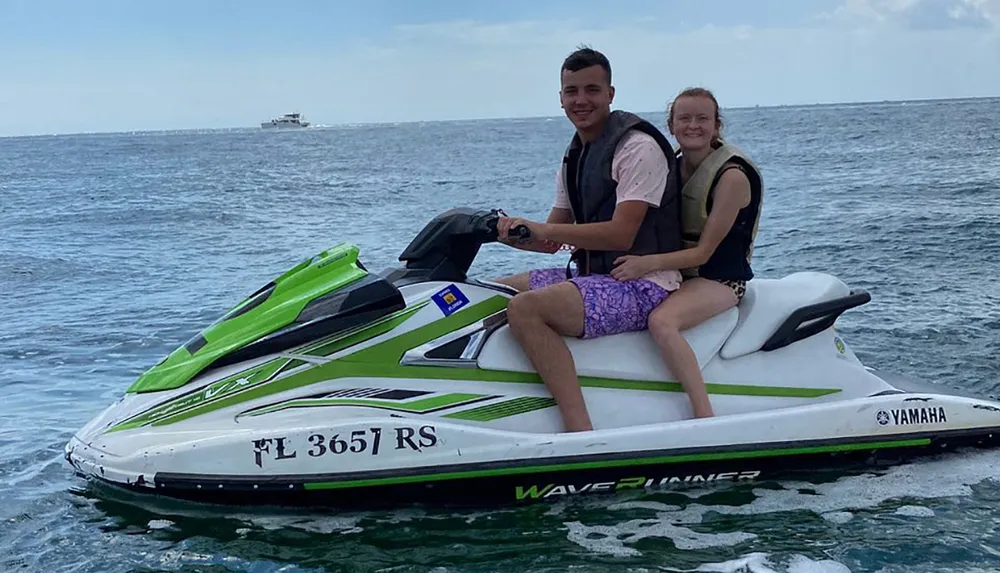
[{"x": 288, "y": 120}]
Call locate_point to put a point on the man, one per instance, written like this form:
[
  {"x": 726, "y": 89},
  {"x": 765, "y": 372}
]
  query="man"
[{"x": 616, "y": 194}]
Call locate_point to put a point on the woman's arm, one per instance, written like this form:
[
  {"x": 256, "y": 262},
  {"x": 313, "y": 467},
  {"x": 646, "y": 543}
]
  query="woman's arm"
[{"x": 732, "y": 193}]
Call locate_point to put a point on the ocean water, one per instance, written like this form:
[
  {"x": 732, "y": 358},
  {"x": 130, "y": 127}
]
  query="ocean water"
[{"x": 115, "y": 248}]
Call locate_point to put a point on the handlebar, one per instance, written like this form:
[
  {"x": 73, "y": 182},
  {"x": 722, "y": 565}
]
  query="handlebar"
[{"x": 520, "y": 232}]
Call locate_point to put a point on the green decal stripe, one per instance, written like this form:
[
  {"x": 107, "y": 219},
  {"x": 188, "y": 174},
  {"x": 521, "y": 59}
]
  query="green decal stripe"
[
  {"x": 362, "y": 333},
  {"x": 382, "y": 361},
  {"x": 713, "y": 388},
  {"x": 391, "y": 351},
  {"x": 207, "y": 396},
  {"x": 616, "y": 463},
  {"x": 417, "y": 406},
  {"x": 346, "y": 340},
  {"x": 293, "y": 364},
  {"x": 505, "y": 409},
  {"x": 346, "y": 367}
]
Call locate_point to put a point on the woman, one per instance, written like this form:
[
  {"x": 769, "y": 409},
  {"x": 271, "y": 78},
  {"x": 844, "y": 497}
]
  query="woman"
[{"x": 722, "y": 193}]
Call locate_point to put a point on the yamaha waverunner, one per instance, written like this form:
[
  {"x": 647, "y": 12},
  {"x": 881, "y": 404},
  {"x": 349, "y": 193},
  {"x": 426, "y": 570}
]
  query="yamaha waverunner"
[{"x": 335, "y": 385}]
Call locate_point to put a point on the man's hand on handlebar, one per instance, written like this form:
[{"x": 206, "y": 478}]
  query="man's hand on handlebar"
[{"x": 523, "y": 234}]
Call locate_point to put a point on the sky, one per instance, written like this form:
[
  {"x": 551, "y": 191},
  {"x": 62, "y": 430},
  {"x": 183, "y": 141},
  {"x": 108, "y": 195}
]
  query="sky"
[{"x": 68, "y": 66}]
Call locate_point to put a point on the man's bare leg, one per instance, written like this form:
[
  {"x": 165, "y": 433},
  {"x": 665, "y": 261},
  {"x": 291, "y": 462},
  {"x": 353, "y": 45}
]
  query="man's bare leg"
[
  {"x": 538, "y": 320},
  {"x": 518, "y": 282}
]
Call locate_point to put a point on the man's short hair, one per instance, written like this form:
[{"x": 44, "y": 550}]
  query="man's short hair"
[{"x": 584, "y": 57}]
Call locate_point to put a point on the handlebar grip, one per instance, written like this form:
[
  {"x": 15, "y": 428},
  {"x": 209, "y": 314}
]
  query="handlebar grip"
[{"x": 521, "y": 232}]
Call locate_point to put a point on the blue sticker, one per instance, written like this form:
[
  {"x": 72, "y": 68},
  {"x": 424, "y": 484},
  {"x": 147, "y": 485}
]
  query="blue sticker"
[{"x": 450, "y": 299}]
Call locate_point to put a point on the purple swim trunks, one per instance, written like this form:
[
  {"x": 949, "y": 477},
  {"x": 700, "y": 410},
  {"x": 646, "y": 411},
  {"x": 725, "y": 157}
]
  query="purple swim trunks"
[{"x": 610, "y": 306}]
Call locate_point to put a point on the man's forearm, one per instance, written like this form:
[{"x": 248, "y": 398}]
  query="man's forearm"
[
  {"x": 605, "y": 236},
  {"x": 677, "y": 260},
  {"x": 539, "y": 247}
]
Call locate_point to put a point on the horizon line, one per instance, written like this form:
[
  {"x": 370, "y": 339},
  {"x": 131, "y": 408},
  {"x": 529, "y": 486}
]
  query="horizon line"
[{"x": 495, "y": 118}]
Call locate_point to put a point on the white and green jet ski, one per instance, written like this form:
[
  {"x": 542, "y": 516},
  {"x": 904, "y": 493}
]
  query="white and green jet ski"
[{"x": 333, "y": 385}]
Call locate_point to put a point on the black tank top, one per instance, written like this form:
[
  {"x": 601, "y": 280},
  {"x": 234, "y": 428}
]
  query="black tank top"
[{"x": 729, "y": 261}]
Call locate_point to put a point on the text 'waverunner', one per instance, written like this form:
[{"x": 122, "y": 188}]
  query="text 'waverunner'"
[{"x": 333, "y": 385}]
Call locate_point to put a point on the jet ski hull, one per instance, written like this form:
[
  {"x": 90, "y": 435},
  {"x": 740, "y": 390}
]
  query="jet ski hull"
[
  {"x": 335, "y": 386},
  {"x": 520, "y": 480}
]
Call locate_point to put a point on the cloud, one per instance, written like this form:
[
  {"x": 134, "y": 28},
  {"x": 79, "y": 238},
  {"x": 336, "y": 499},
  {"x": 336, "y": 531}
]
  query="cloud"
[
  {"x": 746, "y": 65},
  {"x": 867, "y": 50},
  {"x": 986, "y": 10},
  {"x": 919, "y": 14}
]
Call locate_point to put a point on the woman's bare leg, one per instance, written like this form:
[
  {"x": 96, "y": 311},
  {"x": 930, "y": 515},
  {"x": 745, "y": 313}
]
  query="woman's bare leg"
[{"x": 696, "y": 301}]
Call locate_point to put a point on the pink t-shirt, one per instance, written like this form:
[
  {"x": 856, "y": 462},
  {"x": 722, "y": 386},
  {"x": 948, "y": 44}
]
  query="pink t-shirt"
[{"x": 641, "y": 171}]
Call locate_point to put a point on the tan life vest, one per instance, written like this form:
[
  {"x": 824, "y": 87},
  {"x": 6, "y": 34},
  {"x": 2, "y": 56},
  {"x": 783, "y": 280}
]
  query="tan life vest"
[{"x": 694, "y": 195}]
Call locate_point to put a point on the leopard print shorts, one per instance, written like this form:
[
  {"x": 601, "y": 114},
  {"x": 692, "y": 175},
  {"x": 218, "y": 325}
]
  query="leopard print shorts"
[{"x": 738, "y": 287}]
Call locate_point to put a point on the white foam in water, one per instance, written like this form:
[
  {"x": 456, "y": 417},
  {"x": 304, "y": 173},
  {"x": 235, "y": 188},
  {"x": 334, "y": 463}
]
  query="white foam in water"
[
  {"x": 644, "y": 505},
  {"x": 752, "y": 563},
  {"x": 951, "y": 476},
  {"x": 159, "y": 524},
  {"x": 838, "y": 516},
  {"x": 600, "y": 539},
  {"x": 759, "y": 563},
  {"x": 175, "y": 557},
  {"x": 802, "y": 564},
  {"x": 611, "y": 539},
  {"x": 687, "y": 539},
  {"x": 915, "y": 511},
  {"x": 313, "y": 524}
]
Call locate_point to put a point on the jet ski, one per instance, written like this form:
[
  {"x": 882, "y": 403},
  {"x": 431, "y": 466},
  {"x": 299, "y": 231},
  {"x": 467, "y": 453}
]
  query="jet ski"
[{"x": 334, "y": 385}]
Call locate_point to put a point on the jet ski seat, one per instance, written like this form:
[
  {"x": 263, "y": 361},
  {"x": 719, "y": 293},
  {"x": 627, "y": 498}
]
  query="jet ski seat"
[
  {"x": 769, "y": 304},
  {"x": 773, "y": 313}
]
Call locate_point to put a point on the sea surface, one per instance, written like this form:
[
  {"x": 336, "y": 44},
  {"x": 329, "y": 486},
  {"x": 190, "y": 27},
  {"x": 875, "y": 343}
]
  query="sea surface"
[{"x": 115, "y": 248}]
